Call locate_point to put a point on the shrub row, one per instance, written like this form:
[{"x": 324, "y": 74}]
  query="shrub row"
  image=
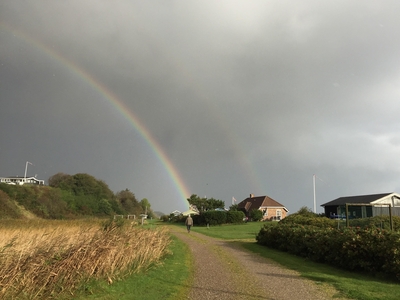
[
  {"x": 219, "y": 217},
  {"x": 375, "y": 251},
  {"x": 212, "y": 217},
  {"x": 314, "y": 220},
  {"x": 382, "y": 222}
]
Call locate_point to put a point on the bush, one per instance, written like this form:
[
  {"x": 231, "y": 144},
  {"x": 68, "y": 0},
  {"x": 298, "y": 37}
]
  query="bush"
[
  {"x": 211, "y": 217},
  {"x": 256, "y": 215},
  {"x": 367, "y": 250},
  {"x": 164, "y": 218},
  {"x": 234, "y": 216},
  {"x": 314, "y": 220},
  {"x": 382, "y": 222}
]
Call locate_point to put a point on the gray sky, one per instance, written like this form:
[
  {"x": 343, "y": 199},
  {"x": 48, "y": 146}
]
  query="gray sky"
[{"x": 242, "y": 96}]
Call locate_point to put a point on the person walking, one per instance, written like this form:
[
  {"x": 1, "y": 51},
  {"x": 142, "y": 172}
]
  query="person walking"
[{"x": 189, "y": 223}]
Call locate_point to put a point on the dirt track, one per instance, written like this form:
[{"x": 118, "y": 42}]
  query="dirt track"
[{"x": 225, "y": 270}]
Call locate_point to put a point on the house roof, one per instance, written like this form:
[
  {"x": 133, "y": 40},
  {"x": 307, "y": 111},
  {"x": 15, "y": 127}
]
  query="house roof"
[
  {"x": 259, "y": 201},
  {"x": 356, "y": 199}
]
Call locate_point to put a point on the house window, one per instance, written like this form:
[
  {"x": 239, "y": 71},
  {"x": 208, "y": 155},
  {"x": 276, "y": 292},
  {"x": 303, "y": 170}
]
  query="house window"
[
  {"x": 363, "y": 212},
  {"x": 278, "y": 214}
]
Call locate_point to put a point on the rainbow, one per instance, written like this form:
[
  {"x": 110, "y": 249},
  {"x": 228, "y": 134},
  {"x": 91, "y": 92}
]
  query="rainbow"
[{"x": 173, "y": 173}]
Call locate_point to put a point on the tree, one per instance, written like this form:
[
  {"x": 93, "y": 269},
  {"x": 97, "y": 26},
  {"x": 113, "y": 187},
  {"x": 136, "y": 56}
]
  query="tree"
[
  {"x": 204, "y": 204},
  {"x": 256, "y": 215},
  {"x": 61, "y": 180},
  {"x": 81, "y": 184},
  {"x": 146, "y": 206},
  {"x": 128, "y": 202},
  {"x": 105, "y": 207},
  {"x": 233, "y": 207}
]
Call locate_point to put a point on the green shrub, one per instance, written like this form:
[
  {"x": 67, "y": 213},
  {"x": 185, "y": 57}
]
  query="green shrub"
[
  {"x": 234, "y": 216},
  {"x": 256, "y": 215},
  {"x": 315, "y": 220},
  {"x": 211, "y": 217},
  {"x": 382, "y": 222},
  {"x": 164, "y": 218},
  {"x": 374, "y": 251}
]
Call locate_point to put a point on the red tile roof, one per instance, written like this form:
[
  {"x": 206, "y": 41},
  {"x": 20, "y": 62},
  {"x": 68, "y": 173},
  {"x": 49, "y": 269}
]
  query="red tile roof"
[{"x": 259, "y": 201}]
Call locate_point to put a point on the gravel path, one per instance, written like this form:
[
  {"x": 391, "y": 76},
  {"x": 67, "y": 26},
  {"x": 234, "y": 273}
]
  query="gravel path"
[{"x": 224, "y": 270}]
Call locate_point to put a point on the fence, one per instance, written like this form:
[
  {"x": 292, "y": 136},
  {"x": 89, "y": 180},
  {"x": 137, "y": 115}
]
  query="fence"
[{"x": 129, "y": 217}]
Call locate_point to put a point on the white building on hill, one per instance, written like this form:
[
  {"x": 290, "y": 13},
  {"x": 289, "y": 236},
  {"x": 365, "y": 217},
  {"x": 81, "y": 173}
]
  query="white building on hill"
[{"x": 21, "y": 180}]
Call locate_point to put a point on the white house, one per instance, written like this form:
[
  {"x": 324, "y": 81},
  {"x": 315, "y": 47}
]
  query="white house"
[{"x": 21, "y": 180}]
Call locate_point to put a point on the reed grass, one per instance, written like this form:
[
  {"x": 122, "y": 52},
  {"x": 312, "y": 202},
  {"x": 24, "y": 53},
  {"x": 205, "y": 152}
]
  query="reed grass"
[{"x": 45, "y": 259}]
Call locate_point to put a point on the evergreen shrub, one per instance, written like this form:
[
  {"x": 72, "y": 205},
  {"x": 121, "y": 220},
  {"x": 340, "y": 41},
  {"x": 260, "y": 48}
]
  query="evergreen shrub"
[
  {"x": 370, "y": 250},
  {"x": 234, "y": 217},
  {"x": 212, "y": 217}
]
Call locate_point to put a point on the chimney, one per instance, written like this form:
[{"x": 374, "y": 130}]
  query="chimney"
[{"x": 251, "y": 195}]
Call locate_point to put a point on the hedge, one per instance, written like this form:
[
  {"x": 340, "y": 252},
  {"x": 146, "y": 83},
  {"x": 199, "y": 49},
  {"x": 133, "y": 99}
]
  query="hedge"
[
  {"x": 234, "y": 216},
  {"x": 373, "y": 250}
]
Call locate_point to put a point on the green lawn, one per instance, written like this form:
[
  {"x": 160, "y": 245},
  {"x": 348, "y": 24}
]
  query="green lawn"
[{"x": 232, "y": 232}]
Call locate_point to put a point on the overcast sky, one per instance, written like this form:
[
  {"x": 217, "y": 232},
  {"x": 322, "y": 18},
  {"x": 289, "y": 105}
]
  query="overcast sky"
[{"x": 241, "y": 96}]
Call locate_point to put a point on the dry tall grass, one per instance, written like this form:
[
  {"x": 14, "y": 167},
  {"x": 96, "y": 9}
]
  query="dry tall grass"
[{"x": 45, "y": 259}]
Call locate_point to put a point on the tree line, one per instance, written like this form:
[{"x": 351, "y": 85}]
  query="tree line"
[{"x": 70, "y": 196}]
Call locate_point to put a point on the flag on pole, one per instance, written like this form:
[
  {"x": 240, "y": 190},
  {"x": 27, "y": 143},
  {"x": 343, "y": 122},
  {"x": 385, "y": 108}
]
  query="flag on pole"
[{"x": 30, "y": 163}]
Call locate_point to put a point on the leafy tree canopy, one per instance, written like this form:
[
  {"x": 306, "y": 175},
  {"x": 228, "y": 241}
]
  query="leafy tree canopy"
[
  {"x": 146, "y": 207},
  {"x": 129, "y": 202},
  {"x": 256, "y": 215},
  {"x": 81, "y": 184},
  {"x": 204, "y": 204},
  {"x": 233, "y": 207}
]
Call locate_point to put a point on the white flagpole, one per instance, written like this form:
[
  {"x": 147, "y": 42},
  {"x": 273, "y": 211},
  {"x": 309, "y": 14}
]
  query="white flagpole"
[
  {"x": 26, "y": 169},
  {"x": 315, "y": 200}
]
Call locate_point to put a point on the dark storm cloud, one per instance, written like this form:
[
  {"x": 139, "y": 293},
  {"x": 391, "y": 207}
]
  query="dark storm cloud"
[{"x": 243, "y": 96}]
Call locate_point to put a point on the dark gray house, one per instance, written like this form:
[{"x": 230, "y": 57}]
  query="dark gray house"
[{"x": 375, "y": 204}]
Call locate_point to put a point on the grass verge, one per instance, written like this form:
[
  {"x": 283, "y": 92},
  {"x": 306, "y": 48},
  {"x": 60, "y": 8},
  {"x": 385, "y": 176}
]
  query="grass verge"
[{"x": 170, "y": 280}]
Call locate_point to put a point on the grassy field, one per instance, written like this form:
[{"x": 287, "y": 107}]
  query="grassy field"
[
  {"x": 169, "y": 280},
  {"x": 232, "y": 232},
  {"x": 54, "y": 259},
  {"x": 349, "y": 284}
]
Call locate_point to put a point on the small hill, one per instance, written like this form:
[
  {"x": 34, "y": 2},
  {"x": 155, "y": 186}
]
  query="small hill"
[{"x": 9, "y": 209}]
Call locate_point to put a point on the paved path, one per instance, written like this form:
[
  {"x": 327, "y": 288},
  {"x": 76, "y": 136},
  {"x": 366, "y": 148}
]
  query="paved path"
[{"x": 225, "y": 270}]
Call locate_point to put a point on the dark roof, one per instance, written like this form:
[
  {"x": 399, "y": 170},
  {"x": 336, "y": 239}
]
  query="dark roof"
[
  {"x": 256, "y": 202},
  {"x": 356, "y": 199}
]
